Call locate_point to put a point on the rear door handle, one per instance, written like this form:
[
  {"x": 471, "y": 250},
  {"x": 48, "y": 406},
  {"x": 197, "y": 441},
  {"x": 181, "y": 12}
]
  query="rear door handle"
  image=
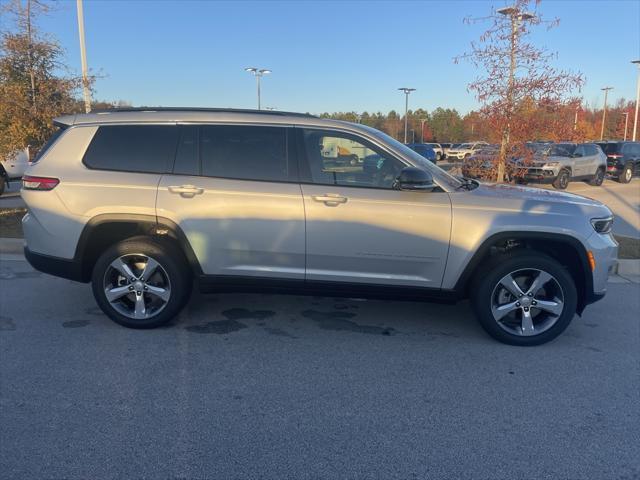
[
  {"x": 186, "y": 191},
  {"x": 330, "y": 199}
]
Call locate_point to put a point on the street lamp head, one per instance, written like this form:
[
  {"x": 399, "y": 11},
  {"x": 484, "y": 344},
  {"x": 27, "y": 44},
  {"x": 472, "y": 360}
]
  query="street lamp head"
[
  {"x": 251, "y": 69},
  {"x": 514, "y": 12},
  {"x": 507, "y": 11},
  {"x": 637, "y": 62},
  {"x": 264, "y": 71},
  {"x": 407, "y": 90}
]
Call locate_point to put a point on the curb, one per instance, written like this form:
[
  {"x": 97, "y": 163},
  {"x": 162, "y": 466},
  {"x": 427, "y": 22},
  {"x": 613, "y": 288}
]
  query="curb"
[
  {"x": 11, "y": 245},
  {"x": 627, "y": 267}
]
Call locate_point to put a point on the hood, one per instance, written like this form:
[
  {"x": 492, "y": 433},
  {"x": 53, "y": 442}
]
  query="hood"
[{"x": 540, "y": 195}]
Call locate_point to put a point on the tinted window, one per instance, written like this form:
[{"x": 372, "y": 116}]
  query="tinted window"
[
  {"x": 562, "y": 150},
  {"x": 133, "y": 148},
  {"x": 187, "y": 162},
  {"x": 244, "y": 152},
  {"x": 610, "y": 148},
  {"x": 590, "y": 150},
  {"x": 337, "y": 159},
  {"x": 48, "y": 144}
]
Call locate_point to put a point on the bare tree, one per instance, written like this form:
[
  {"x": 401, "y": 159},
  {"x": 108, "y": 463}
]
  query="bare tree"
[{"x": 518, "y": 76}]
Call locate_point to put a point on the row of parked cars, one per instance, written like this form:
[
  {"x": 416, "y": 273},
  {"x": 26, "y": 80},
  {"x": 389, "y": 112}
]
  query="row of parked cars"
[{"x": 544, "y": 162}]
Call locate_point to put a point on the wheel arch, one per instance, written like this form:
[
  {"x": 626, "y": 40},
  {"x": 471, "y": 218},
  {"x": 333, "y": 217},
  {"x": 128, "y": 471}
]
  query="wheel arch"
[
  {"x": 565, "y": 249},
  {"x": 102, "y": 231}
]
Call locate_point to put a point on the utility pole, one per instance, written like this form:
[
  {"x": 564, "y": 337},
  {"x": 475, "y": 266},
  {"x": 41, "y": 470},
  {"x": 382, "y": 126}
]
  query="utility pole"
[
  {"x": 635, "y": 120},
  {"x": 258, "y": 73},
  {"x": 604, "y": 111},
  {"x": 422, "y": 122},
  {"x": 83, "y": 57},
  {"x": 626, "y": 122},
  {"x": 516, "y": 17},
  {"x": 575, "y": 119},
  {"x": 406, "y": 91}
]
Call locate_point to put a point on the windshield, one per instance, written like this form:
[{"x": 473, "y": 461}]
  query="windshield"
[
  {"x": 562, "y": 150},
  {"x": 439, "y": 175},
  {"x": 465, "y": 146}
]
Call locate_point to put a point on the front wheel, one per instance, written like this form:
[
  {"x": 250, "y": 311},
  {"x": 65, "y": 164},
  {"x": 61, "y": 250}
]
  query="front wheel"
[
  {"x": 524, "y": 299},
  {"x": 562, "y": 181},
  {"x": 3, "y": 182},
  {"x": 141, "y": 283}
]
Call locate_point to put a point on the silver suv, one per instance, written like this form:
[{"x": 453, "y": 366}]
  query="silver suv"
[
  {"x": 139, "y": 203},
  {"x": 561, "y": 163}
]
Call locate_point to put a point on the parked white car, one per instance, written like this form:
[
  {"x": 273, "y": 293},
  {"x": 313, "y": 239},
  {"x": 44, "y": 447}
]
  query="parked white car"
[
  {"x": 465, "y": 150},
  {"x": 436, "y": 148},
  {"x": 13, "y": 167}
]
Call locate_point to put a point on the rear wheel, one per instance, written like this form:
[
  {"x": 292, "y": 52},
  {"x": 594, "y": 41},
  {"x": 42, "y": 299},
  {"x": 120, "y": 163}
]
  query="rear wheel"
[
  {"x": 141, "y": 283},
  {"x": 2, "y": 184},
  {"x": 562, "y": 181},
  {"x": 598, "y": 178},
  {"x": 524, "y": 299},
  {"x": 626, "y": 174}
]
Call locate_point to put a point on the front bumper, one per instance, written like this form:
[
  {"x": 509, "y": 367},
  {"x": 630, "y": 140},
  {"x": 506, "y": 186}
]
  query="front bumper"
[{"x": 605, "y": 253}]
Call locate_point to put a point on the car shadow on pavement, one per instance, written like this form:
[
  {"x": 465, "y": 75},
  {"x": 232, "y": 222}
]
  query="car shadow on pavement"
[{"x": 291, "y": 317}]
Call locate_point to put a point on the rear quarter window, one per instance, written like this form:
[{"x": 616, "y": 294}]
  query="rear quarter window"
[{"x": 133, "y": 148}]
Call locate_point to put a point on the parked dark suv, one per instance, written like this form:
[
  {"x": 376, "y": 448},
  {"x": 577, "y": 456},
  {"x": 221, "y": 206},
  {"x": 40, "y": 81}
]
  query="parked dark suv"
[{"x": 623, "y": 159}]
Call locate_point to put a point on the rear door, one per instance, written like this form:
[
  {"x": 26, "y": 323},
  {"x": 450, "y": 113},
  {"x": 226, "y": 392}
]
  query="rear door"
[
  {"x": 362, "y": 230},
  {"x": 234, "y": 193}
]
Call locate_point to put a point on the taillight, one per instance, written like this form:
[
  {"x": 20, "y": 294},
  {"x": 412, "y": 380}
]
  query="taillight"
[{"x": 39, "y": 183}]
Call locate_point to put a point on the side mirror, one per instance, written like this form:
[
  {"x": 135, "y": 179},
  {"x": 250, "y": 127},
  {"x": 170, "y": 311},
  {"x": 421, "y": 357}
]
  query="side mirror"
[{"x": 414, "y": 179}]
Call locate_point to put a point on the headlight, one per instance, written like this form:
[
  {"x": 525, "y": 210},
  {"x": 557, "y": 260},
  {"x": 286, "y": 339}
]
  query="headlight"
[
  {"x": 602, "y": 225},
  {"x": 552, "y": 164}
]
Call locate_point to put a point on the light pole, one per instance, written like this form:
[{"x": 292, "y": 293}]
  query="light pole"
[
  {"x": 626, "y": 122},
  {"x": 422, "y": 122},
  {"x": 258, "y": 73},
  {"x": 406, "y": 91},
  {"x": 575, "y": 119},
  {"x": 635, "y": 119},
  {"x": 516, "y": 17},
  {"x": 604, "y": 111},
  {"x": 83, "y": 58}
]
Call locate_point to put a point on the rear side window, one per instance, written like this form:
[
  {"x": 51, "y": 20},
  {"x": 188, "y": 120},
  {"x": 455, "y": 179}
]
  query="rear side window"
[
  {"x": 133, "y": 148},
  {"x": 48, "y": 144},
  {"x": 244, "y": 152}
]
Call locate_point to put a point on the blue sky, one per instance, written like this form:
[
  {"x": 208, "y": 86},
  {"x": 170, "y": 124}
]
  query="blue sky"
[{"x": 326, "y": 55}]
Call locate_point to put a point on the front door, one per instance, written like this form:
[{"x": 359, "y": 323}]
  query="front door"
[
  {"x": 360, "y": 229},
  {"x": 234, "y": 193}
]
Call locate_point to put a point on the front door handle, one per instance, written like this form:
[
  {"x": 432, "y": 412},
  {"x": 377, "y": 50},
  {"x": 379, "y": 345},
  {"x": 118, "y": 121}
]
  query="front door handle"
[
  {"x": 330, "y": 199},
  {"x": 186, "y": 191}
]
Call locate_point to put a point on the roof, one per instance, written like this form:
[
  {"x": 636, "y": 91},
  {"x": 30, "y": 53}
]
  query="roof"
[{"x": 176, "y": 114}]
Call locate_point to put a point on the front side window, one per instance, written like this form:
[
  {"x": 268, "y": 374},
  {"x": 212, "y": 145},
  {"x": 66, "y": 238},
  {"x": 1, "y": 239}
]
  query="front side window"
[
  {"x": 244, "y": 152},
  {"x": 133, "y": 148},
  {"x": 341, "y": 159}
]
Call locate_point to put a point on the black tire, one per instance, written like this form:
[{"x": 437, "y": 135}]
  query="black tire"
[
  {"x": 173, "y": 265},
  {"x": 562, "y": 180},
  {"x": 598, "y": 178},
  {"x": 3, "y": 183},
  {"x": 489, "y": 276},
  {"x": 626, "y": 174}
]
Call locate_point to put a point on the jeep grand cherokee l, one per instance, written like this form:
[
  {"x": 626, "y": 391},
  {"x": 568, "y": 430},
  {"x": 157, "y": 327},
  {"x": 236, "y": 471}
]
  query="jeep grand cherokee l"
[{"x": 139, "y": 203}]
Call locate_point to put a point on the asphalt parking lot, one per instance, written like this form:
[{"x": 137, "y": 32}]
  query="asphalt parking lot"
[{"x": 266, "y": 386}]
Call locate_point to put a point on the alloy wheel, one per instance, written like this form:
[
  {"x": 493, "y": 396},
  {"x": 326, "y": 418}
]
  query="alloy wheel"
[
  {"x": 628, "y": 174},
  {"x": 137, "y": 286},
  {"x": 527, "y": 302}
]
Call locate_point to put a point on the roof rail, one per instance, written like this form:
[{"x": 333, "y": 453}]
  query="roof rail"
[{"x": 199, "y": 109}]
